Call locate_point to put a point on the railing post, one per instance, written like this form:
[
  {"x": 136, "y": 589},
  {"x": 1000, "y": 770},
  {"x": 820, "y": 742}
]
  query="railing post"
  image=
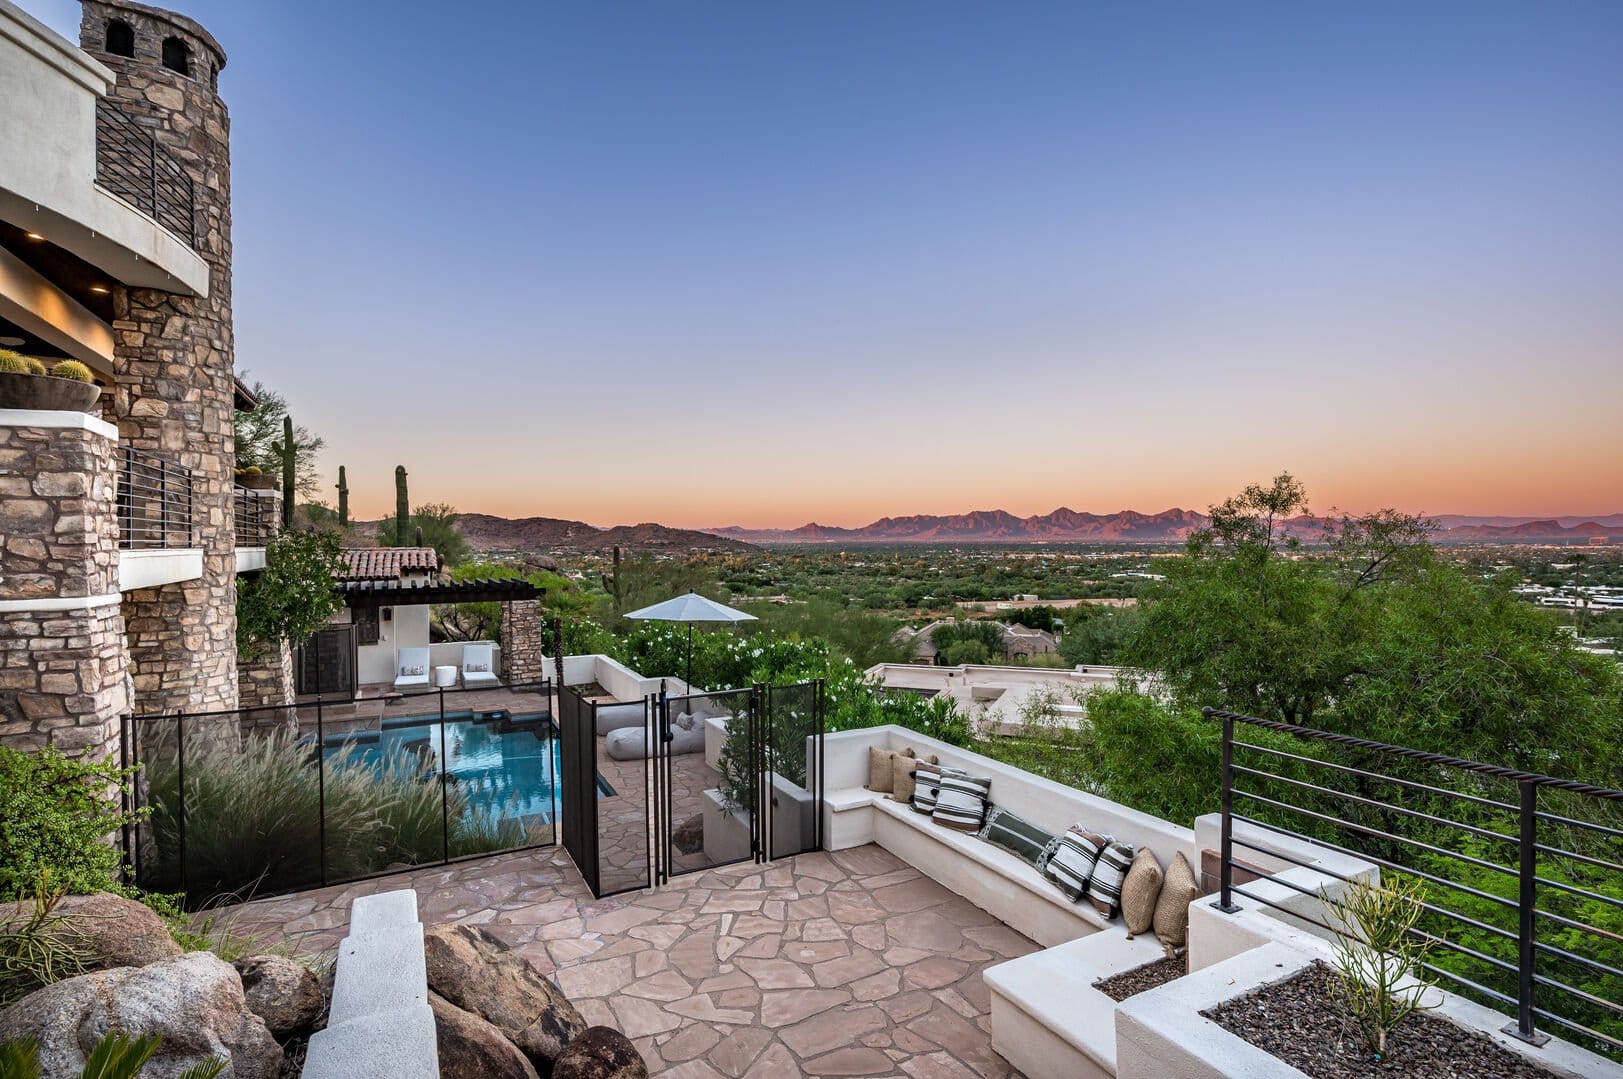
[
  {"x": 321, "y": 784},
  {"x": 1225, "y": 872},
  {"x": 445, "y": 794},
  {"x": 1527, "y": 876}
]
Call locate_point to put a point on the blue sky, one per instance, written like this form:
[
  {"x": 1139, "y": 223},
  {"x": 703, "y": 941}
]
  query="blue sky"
[{"x": 765, "y": 263}]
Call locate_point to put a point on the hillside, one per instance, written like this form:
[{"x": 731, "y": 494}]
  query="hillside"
[{"x": 487, "y": 532}]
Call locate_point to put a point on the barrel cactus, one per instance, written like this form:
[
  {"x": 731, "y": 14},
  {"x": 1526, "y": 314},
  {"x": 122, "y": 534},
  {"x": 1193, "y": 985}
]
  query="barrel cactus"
[
  {"x": 13, "y": 363},
  {"x": 73, "y": 369}
]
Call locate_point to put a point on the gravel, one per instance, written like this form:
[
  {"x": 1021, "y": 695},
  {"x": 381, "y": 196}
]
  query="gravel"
[
  {"x": 1297, "y": 1021},
  {"x": 1142, "y": 979}
]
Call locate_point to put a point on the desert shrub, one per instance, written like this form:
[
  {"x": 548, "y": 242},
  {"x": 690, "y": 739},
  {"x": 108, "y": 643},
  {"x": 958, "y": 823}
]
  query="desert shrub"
[
  {"x": 1378, "y": 956},
  {"x": 74, "y": 370},
  {"x": 56, "y": 813},
  {"x": 34, "y": 950}
]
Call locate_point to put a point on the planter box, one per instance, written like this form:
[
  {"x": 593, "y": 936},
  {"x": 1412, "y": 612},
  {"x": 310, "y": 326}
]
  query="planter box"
[
  {"x": 46, "y": 393},
  {"x": 727, "y": 835}
]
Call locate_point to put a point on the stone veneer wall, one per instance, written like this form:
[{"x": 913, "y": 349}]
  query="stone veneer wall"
[
  {"x": 521, "y": 641},
  {"x": 174, "y": 355},
  {"x": 267, "y": 679},
  {"x": 62, "y": 649}
]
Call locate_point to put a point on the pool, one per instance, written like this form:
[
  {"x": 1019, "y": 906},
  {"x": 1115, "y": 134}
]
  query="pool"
[{"x": 505, "y": 767}]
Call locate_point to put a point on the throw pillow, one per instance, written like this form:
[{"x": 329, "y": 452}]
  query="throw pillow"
[
  {"x": 413, "y": 671},
  {"x": 1018, "y": 836},
  {"x": 1172, "y": 909},
  {"x": 880, "y": 767},
  {"x": 901, "y": 778},
  {"x": 1140, "y": 891},
  {"x": 1071, "y": 864},
  {"x": 961, "y": 804},
  {"x": 1104, "y": 887},
  {"x": 478, "y": 668},
  {"x": 927, "y": 784},
  {"x": 685, "y": 721}
]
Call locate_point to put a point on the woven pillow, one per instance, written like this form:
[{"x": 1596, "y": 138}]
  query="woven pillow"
[
  {"x": 1172, "y": 909},
  {"x": 881, "y": 766},
  {"x": 1140, "y": 891},
  {"x": 904, "y": 781},
  {"x": 1018, "y": 836},
  {"x": 927, "y": 784},
  {"x": 961, "y": 803},
  {"x": 1071, "y": 863},
  {"x": 1104, "y": 887}
]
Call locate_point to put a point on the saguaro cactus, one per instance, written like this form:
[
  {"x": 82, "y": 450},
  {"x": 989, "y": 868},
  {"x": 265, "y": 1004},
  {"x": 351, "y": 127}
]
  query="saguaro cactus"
[
  {"x": 343, "y": 499},
  {"x": 402, "y": 506},
  {"x": 289, "y": 453}
]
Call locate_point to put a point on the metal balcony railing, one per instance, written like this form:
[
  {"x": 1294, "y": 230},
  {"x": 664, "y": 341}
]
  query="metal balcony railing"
[
  {"x": 131, "y": 165},
  {"x": 155, "y": 503},
  {"x": 254, "y": 516}
]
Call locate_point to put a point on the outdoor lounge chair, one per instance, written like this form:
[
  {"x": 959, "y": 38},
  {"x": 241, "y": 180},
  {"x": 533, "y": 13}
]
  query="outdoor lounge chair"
[
  {"x": 411, "y": 668},
  {"x": 477, "y": 661}
]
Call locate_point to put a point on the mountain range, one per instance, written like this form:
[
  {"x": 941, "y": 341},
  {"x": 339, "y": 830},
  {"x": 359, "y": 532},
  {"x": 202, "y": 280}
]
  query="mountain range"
[{"x": 1131, "y": 526}]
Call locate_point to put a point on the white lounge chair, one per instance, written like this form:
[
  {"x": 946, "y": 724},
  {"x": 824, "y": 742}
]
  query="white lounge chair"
[
  {"x": 477, "y": 661},
  {"x": 411, "y": 667}
]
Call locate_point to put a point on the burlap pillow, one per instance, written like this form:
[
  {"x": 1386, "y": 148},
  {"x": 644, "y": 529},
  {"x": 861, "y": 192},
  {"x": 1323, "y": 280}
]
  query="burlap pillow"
[
  {"x": 1140, "y": 891},
  {"x": 1172, "y": 909},
  {"x": 881, "y": 766}
]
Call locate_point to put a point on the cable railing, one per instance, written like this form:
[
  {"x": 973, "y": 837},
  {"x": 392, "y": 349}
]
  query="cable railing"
[
  {"x": 1543, "y": 939},
  {"x": 131, "y": 165},
  {"x": 155, "y": 502}
]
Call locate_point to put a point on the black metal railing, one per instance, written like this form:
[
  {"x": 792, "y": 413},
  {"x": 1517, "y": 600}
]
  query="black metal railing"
[
  {"x": 131, "y": 165},
  {"x": 155, "y": 502},
  {"x": 1532, "y": 931},
  {"x": 254, "y": 517},
  {"x": 251, "y": 802}
]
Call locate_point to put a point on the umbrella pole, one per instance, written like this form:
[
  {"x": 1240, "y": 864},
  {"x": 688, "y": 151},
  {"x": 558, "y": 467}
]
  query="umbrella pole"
[{"x": 690, "y": 658}]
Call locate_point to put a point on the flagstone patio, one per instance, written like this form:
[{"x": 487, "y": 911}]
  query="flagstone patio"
[{"x": 843, "y": 964}]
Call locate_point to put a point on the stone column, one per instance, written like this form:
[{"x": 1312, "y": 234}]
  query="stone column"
[
  {"x": 266, "y": 679},
  {"x": 521, "y": 641},
  {"x": 62, "y": 651},
  {"x": 173, "y": 390}
]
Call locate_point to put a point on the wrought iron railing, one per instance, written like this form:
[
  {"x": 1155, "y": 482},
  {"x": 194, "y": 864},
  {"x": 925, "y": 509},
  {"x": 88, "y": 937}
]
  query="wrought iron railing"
[
  {"x": 131, "y": 165},
  {"x": 155, "y": 502},
  {"x": 1532, "y": 931},
  {"x": 254, "y": 516}
]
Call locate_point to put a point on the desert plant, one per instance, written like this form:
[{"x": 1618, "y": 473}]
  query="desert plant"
[
  {"x": 35, "y": 949},
  {"x": 73, "y": 369},
  {"x": 292, "y": 596},
  {"x": 116, "y": 1056},
  {"x": 251, "y": 470},
  {"x": 1379, "y": 956},
  {"x": 55, "y": 812},
  {"x": 35, "y": 367},
  {"x": 14, "y": 363}
]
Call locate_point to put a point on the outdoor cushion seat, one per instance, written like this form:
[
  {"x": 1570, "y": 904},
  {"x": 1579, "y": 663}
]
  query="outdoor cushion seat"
[
  {"x": 631, "y": 743},
  {"x": 614, "y": 717},
  {"x": 477, "y": 663},
  {"x": 411, "y": 667}
]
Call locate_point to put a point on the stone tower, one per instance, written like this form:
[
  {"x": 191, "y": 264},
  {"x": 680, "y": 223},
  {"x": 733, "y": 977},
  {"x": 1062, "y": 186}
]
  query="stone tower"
[{"x": 173, "y": 392}]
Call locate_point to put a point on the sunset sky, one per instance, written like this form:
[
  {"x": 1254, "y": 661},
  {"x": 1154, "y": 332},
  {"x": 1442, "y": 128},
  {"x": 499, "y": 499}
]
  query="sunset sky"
[{"x": 761, "y": 264}]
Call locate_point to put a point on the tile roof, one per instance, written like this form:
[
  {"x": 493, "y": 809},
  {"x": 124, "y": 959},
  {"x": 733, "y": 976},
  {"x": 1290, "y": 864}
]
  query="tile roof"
[{"x": 388, "y": 563}]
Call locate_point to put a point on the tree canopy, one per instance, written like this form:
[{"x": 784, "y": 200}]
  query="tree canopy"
[{"x": 258, "y": 431}]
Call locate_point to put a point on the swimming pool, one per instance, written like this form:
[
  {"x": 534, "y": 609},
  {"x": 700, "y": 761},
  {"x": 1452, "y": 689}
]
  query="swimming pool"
[{"x": 505, "y": 767}]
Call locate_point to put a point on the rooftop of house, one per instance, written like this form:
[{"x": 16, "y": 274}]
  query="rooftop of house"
[{"x": 388, "y": 563}]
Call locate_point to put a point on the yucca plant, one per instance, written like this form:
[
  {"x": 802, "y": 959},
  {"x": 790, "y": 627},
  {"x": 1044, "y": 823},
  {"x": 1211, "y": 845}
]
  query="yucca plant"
[
  {"x": 116, "y": 1056},
  {"x": 1379, "y": 956}
]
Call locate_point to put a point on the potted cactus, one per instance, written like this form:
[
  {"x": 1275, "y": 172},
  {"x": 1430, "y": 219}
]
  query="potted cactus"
[
  {"x": 256, "y": 479},
  {"x": 26, "y": 383}
]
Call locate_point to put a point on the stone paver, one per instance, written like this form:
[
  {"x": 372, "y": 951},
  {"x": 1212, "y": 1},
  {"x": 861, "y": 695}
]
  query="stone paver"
[{"x": 851, "y": 963}]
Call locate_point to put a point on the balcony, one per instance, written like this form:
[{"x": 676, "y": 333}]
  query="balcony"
[
  {"x": 131, "y": 165},
  {"x": 256, "y": 514},
  {"x": 157, "y": 535}
]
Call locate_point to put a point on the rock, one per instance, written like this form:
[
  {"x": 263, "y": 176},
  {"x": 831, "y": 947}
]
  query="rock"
[
  {"x": 194, "y": 1003},
  {"x": 283, "y": 993},
  {"x": 474, "y": 970},
  {"x": 688, "y": 837},
  {"x": 108, "y": 929},
  {"x": 471, "y": 1048},
  {"x": 600, "y": 1053}
]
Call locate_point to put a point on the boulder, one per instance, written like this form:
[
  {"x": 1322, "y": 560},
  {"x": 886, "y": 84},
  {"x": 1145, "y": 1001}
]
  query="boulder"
[
  {"x": 471, "y": 1048},
  {"x": 194, "y": 1003},
  {"x": 283, "y": 993},
  {"x": 109, "y": 930},
  {"x": 600, "y": 1053},
  {"x": 474, "y": 970}
]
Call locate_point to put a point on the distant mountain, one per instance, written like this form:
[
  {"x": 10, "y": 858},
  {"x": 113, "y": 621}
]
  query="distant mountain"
[
  {"x": 487, "y": 532},
  {"x": 1131, "y": 526}
]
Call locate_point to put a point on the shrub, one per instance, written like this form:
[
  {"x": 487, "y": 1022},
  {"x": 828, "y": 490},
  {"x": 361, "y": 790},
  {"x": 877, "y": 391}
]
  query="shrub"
[
  {"x": 292, "y": 596},
  {"x": 55, "y": 814},
  {"x": 1378, "y": 956},
  {"x": 74, "y": 370},
  {"x": 34, "y": 952}
]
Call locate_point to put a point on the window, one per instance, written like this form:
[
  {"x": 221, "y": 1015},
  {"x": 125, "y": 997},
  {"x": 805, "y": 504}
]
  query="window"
[
  {"x": 120, "y": 38},
  {"x": 176, "y": 56},
  {"x": 366, "y": 626}
]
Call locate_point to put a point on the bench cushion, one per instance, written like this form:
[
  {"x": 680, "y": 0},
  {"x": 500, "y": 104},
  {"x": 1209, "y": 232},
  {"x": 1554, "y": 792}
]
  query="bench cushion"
[
  {"x": 1018, "y": 836},
  {"x": 1071, "y": 864},
  {"x": 961, "y": 802}
]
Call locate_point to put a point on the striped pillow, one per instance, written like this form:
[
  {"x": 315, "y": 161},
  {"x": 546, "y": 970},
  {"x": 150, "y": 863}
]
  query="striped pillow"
[
  {"x": 1104, "y": 887},
  {"x": 927, "y": 783},
  {"x": 1018, "y": 836},
  {"x": 961, "y": 802},
  {"x": 1071, "y": 864}
]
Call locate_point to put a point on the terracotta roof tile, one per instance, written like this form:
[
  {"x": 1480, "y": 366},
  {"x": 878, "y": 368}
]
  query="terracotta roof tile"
[{"x": 388, "y": 563}]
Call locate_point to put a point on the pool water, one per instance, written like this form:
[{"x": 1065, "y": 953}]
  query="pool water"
[{"x": 508, "y": 770}]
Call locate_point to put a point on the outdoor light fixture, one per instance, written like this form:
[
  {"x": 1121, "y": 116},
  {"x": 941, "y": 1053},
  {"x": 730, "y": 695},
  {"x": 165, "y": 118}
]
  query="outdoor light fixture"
[
  {"x": 100, "y": 288},
  {"x": 34, "y": 236},
  {"x": 11, "y": 342}
]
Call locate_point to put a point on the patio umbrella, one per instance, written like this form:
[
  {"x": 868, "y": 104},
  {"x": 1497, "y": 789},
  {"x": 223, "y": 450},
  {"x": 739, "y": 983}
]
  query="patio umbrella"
[{"x": 690, "y": 608}]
